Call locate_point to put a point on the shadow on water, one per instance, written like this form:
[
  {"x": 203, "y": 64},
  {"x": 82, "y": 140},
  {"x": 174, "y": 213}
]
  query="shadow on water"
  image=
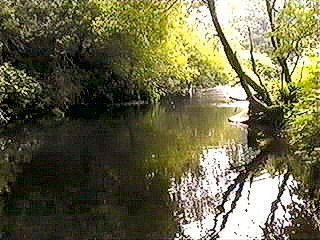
[
  {"x": 176, "y": 170},
  {"x": 265, "y": 199}
]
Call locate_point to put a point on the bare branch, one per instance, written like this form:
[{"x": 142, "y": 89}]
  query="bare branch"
[
  {"x": 171, "y": 5},
  {"x": 254, "y": 68},
  {"x": 272, "y": 26},
  {"x": 295, "y": 64},
  {"x": 237, "y": 82},
  {"x": 245, "y": 80},
  {"x": 301, "y": 72},
  {"x": 276, "y": 42},
  {"x": 237, "y": 99},
  {"x": 253, "y": 62},
  {"x": 274, "y": 4},
  {"x": 281, "y": 79}
]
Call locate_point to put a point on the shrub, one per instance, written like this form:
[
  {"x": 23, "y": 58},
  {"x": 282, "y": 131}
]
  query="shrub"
[{"x": 19, "y": 93}]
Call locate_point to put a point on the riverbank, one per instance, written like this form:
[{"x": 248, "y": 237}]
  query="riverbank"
[
  {"x": 168, "y": 163},
  {"x": 62, "y": 56},
  {"x": 93, "y": 108}
]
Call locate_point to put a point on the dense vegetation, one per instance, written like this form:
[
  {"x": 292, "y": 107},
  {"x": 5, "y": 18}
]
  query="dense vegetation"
[
  {"x": 284, "y": 104},
  {"x": 56, "y": 55},
  {"x": 64, "y": 56}
]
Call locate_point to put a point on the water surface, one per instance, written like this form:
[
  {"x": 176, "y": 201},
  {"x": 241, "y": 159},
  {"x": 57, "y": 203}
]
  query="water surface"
[{"x": 167, "y": 171}]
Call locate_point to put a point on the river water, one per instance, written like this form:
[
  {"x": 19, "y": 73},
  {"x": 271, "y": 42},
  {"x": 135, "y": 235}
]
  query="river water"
[{"x": 167, "y": 171}]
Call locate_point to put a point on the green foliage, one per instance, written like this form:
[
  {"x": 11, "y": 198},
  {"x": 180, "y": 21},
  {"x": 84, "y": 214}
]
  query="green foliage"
[
  {"x": 86, "y": 51},
  {"x": 162, "y": 56},
  {"x": 304, "y": 129},
  {"x": 18, "y": 92},
  {"x": 295, "y": 34},
  {"x": 296, "y": 28}
]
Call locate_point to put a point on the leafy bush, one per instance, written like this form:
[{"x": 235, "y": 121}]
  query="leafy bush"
[
  {"x": 304, "y": 114},
  {"x": 105, "y": 51},
  {"x": 18, "y": 92}
]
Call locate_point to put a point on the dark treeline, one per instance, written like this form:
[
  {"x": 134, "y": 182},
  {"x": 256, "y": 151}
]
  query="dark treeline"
[{"x": 57, "y": 55}]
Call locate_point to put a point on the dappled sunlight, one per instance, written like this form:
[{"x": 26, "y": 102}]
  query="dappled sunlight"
[
  {"x": 176, "y": 119},
  {"x": 179, "y": 169},
  {"x": 246, "y": 211}
]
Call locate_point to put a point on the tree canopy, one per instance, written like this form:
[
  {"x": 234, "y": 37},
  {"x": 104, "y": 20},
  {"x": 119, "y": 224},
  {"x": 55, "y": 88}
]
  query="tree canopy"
[{"x": 89, "y": 52}]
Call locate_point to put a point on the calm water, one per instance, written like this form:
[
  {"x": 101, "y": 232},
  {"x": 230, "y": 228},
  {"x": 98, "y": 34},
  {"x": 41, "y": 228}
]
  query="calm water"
[{"x": 169, "y": 171}]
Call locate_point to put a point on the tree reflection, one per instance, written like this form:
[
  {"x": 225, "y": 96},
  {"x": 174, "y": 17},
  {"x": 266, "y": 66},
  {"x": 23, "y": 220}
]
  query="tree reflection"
[
  {"x": 113, "y": 174},
  {"x": 296, "y": 218},
  {"x": 248, "y": 171},
  {"x": 152, "y": 173}
]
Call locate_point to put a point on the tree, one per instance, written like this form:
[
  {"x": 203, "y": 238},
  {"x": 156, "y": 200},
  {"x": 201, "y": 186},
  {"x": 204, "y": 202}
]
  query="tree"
[
  {"x": 93, "y": 53},
  {"x": 245, "y": 80},
  {"x": 289, "y": 36}
]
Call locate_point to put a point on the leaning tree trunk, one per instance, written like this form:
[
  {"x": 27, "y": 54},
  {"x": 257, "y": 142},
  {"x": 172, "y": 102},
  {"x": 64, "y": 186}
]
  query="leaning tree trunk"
[
  {"x": 259, "y": 102},
  {"x": 245, "y": 81}
]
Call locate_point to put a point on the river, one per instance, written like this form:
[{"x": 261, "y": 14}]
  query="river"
[{"x": 168, "y": 171}]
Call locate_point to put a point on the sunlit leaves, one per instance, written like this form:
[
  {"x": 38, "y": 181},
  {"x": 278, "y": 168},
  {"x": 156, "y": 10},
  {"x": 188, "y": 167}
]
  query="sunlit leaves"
[
  {"x": 304, "y": 115},
  {"x": 165, "y": 54},
  {"x": 149, "y": 45},
  {"x": 296, "y": 29}
]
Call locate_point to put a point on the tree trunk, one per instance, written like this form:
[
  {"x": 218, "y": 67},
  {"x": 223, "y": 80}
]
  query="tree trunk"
[{"x": 245, "y": 81}]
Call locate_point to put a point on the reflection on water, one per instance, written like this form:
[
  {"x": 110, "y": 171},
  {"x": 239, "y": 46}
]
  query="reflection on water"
[
  {"x": 172, "y": 171},
  {"x": 199, "y": 199}
]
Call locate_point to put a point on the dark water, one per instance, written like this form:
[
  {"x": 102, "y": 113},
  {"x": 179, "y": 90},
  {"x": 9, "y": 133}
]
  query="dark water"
[{"x": 168, "y": 171}]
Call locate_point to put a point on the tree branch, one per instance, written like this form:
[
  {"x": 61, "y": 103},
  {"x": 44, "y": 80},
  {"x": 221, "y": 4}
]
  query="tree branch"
[
  {"x": 253, "y": 62},
  {"x": 295, "y": 64},
  {"x": 245, "y": 80},
  {"x": 254, "y": 69},
  {"x": 301, "y": 72},
  {"x": 171, "y": 6},
  {"x": 276, "y": 42}
]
